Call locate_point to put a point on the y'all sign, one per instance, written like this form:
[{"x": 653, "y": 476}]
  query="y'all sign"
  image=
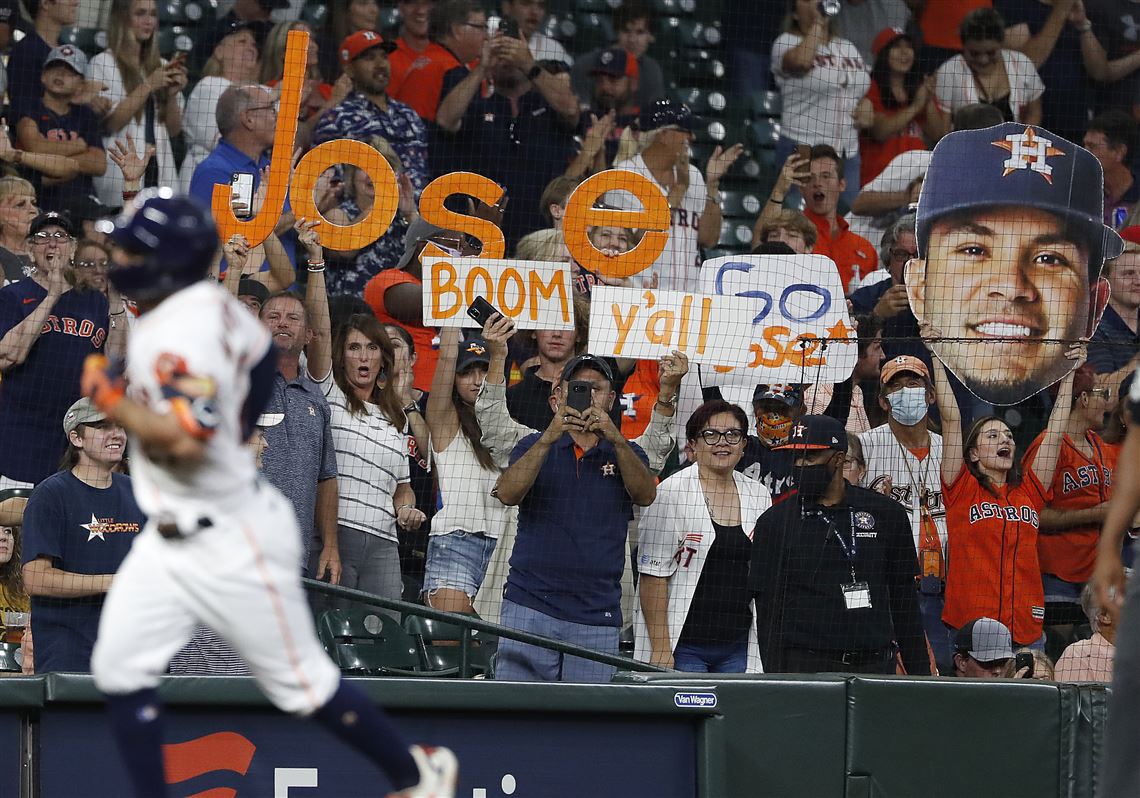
[
  {"x": 644, "y": 325},
  {"x": 535, "y": 295}
]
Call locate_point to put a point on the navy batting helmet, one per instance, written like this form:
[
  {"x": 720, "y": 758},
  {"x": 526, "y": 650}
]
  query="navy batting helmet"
[
  {"x": 1024, "y": 166},
  {"x": 176, "y": 238}
]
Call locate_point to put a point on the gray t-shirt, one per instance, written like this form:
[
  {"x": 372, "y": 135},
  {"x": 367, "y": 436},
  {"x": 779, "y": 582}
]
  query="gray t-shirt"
[{"x": 13, "y": 265}]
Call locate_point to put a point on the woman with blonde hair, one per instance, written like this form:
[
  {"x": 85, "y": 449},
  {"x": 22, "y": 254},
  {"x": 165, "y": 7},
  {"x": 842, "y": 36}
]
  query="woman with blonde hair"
[
  {"x": 145, "y": 93},
  {"x": 317, "y": 96},
  {"x": 17, "y": 209},
  {"x": 233, "y": 62}
]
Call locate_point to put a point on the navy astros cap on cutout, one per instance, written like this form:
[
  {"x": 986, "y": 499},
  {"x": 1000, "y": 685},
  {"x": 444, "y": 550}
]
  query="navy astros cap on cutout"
[
  {"x": 1021, "y": 166},
  {"x": 587, "y": 362},
  {"x": 816, "y": 432}
]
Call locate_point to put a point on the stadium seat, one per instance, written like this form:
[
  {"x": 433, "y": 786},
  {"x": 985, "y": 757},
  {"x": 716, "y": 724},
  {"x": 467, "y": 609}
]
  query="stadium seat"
[
  {"x": 696, "y": 35},
  {"x": 591, "y": 30},
  {"x": 171, "y": 12},
  {"x": 438, "y": 644},
  {"x": 735, "y": 235},
  {"x": 765, "y": 103},
  {"x": 596, "y": 6},
  {"x": 701, "y": 101},
  {"x": 700, "y": 68},
  {"x": 389, "y": 21},
  {"x": 674, "y": 8},
  {"x": 666, "y": 40},
  {"x": 89, "y": 40},
  {"x": 315, "y": 14},
  {"x": 369, "y": 642},
  {"x": 764, "y": 133},
  {"x": 174, "y": 40},
  {"x": 10, "y": 658},
  {"x": 740, "y": 204}
]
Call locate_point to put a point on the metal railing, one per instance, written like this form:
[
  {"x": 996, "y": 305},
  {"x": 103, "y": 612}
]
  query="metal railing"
[{"x": 472, "y": 622}]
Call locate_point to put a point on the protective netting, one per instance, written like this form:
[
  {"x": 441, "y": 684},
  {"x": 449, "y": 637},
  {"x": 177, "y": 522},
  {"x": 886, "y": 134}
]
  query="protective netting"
[{"x": 772, "y": 264}]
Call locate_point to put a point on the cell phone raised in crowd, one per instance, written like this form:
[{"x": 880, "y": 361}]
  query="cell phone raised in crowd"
[
  {"x": 579, "y": 394},
  {"x": 804, "y": 152},
  {"x": 481, "y": 310},
  {"x": 241, "y": 185},
  {"x": 509, "y": 27}
]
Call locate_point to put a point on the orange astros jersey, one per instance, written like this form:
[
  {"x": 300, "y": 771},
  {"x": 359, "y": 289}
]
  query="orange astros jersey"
[
  {"x": 992, "y": 567},
  {"x": 1080, "y": 483}
]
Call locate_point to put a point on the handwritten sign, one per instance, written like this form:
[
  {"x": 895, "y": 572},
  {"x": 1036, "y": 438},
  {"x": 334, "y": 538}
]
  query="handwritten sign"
[
  {"x": 536, "y": 295},
  {"x": 644, "y": 325},
  {"x": 800, "y": 331}
]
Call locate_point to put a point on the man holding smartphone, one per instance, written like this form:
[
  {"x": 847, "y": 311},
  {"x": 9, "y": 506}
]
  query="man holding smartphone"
[{"x": 575, "y": 485}]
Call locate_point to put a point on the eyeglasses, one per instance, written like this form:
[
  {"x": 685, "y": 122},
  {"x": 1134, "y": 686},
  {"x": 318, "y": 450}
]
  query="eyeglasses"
[
  {"x": 475, "y": 25},
  {"x": 44, "y": 238},
  {"x": 1105, "y": 392},
  {"x": 269, "y": 107},
  {"x": 91, "y": 264},
  {"x": 902, "y": 254},
  {"x": 730, "y": 436}
]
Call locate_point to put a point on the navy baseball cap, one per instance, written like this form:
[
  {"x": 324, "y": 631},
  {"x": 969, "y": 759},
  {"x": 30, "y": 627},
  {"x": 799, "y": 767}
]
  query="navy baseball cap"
[
  {"x": 1023, "y": 166},
  {"x": 587, "y": 362},
  {"x": 666, "y": 113},
  {"x": 472, "y": 352},
  {"x": 816, "y": 432},
  {"x": 616, "y": 62},
  {"x": 52, "y": 218},
  {"x": 786, "y": 394}
]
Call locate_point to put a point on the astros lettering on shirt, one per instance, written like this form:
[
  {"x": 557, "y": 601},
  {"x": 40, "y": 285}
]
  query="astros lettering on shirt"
[
  {"x": 1079, "y": 483},
  {"x": 992, "y": 567}
]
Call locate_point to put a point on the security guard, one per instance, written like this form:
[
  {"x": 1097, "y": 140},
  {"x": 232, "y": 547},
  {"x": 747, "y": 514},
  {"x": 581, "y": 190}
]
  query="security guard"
[{"x": 833, "y": 569}]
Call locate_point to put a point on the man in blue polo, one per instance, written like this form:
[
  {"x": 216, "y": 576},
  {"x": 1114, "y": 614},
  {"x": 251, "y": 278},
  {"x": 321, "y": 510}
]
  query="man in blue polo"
[
  {"x": 247, "y": 120},
  {"x": 575, "y": 485}
]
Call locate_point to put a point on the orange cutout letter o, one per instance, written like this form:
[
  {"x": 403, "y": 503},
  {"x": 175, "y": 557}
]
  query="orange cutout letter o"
[
  {"x": 365, "y": 231},
  {"x": 581, "y": 215}
]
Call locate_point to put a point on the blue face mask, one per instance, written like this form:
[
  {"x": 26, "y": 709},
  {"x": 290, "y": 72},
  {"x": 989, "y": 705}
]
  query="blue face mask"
[{"x": 908, "y": 405}]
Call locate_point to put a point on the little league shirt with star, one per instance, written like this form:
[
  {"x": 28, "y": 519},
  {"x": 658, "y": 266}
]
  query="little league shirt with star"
[{"x": 84, "y": 530}]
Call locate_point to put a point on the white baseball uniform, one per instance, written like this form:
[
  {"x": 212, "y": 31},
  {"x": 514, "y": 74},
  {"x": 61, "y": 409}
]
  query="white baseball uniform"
[{"x": 236, "y": 568}]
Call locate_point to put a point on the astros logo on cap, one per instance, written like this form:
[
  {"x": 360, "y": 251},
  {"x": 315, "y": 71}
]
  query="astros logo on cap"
[
  {"x": 798, "y": 431},
  {"x": 476, "y": 348},
  {"x": 1027, "y": 151}
]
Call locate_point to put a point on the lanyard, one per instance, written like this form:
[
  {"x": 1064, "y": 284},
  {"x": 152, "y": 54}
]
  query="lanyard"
[{"x": 849, "y": 551}]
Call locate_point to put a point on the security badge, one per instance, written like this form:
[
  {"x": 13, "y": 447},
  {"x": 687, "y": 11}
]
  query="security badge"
[{"x": 856, "y": 594}]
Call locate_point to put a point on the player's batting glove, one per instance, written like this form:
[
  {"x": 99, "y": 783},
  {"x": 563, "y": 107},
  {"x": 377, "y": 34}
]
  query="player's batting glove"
[{"x": 102, "y": 380}]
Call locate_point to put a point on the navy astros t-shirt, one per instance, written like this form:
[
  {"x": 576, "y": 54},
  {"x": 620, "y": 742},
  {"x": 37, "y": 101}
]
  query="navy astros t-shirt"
[{"x": 83, "y": 530}]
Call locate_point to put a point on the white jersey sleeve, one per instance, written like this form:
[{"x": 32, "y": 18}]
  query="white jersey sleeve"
[{"x": 192, "y": 355}]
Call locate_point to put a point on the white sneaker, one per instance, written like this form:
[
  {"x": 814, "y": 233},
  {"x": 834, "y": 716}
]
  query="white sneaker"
[{"x": 439, "y": 770}]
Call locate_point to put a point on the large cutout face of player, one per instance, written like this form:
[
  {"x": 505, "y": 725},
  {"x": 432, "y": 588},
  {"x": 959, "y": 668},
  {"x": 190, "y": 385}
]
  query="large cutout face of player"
[{"x": 1011, "y": 253}]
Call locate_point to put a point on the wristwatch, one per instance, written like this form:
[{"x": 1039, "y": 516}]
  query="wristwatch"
[
  {"x": 412, "y": 407},
  {"x": 534, "y": 72}
]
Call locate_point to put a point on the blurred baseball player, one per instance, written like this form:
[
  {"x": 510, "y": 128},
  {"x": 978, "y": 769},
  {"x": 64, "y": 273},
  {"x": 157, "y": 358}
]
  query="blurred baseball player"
[
  {"x": 221, "y": 546},
  {"x": 1011, "y": 243}
]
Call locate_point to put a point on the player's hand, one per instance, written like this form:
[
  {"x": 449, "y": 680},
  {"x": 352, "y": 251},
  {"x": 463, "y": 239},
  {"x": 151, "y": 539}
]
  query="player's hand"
[
  {"x": 1108, "y": 582},
  {"x": 408, "y": 517},
  {"x": 893, "y": 302},
  {"x": 598, "y": 422},
  {"x": 496, "y": 332},
  {"x": 329, "y": 563},
  {"x": 672, "y": 368},
  {"x": 103, "y": 382},
  {"x": 126, "y": 157}
]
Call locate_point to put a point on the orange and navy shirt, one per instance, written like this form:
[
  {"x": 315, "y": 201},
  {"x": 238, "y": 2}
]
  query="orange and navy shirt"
[
  {"x": 1079, "y": 483},
  {"x": 637, "y": 398},
  {"x": 421, "y": 83},
  {"x": 992, "y": 568}
]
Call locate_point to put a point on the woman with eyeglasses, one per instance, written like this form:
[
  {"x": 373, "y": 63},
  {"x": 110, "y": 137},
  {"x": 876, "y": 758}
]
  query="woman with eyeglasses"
[
  {"x": 47, "y": 329},
  {"x": 696, "y": 612},
  {"x": 1082, "y": 486},
  {"x": 89, "y": 271}
]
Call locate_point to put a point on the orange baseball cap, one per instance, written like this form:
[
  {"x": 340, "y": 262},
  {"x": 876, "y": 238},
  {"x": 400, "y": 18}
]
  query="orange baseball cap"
[
  {"x": 903, "y": 363},
  {"x": 356, "y": 43}
]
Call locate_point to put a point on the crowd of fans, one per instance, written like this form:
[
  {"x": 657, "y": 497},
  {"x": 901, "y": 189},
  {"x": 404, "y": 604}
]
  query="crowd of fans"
[{"x": 464, "y": 470}]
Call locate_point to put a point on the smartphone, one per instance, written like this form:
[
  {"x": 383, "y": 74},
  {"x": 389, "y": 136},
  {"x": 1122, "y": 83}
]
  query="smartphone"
[
  {"x": 579, "y": 395},
  {"x": 241, "y": 185},
  {"x": 804, "y": 151},
  {"x": 493, "y": 24},
  {"x": 481, "y": 310},
  {"x": 509, "y": 27}
]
